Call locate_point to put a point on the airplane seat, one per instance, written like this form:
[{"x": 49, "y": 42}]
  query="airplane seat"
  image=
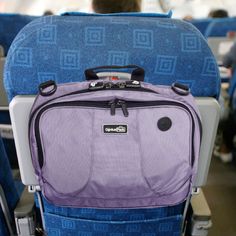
[
  {"x": 232, "y": 91},
  {"x": 220, "y": 27},
  {"x": 5, "y": 127},
  {"x": 10, "y": 190},
  {"x": 10, "y": 25},
  {"x": 201, "y": 24},
  {"x": 60, "y": 48}
]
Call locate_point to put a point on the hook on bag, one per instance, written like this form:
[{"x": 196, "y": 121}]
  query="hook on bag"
[
  {"x": 47, "y": 88},
  {"x": 180, "y": 89}
]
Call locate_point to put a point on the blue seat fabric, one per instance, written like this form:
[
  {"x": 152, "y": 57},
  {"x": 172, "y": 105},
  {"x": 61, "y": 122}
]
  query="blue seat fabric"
[
  {"x": 60, "y": 48},
  {"x": 10, "y": 25},
  {"x": 220, "y": 27},
  {"x": 232, "y": 91},
  {"x": 12, "y": 192},
  {"x": 3, "y": 226},
  {"x": 90, "y": 221},
  {"x": 58, "y": 225},
  {"x": 5, "y": 117},
  {"x": 201, "y": 24},
  {"x": 9, "y": 143}
]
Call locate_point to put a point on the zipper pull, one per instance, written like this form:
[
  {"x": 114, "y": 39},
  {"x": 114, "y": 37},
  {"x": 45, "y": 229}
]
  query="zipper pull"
[
  {"x": 109, "y": 85},
  {"x": 121, "y": 85},
  {"x": 113, "y": 107},
  {"x": 123, "y": 107}
]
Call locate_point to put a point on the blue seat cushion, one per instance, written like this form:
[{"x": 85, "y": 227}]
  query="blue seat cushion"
[
  {"x": 3, "y": 226},
  {"x": 60, "y": 48},
  {"x": 5, "y": 117},
  {"x": 6, "y": 179},
  {"x": 11, "y": 189},
  {"x": 9, "y": 144}
]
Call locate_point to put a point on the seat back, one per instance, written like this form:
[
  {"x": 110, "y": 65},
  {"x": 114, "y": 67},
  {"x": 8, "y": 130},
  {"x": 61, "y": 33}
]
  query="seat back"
[
  {"x": 220, "y": 27},
  {"x": 10, "y": 25},
  {"x": 202, "y": 24},
  {"x": 60, "y": 48},
  {"x": 5, "y": 122},
  {"x": 232, "y": 90}
]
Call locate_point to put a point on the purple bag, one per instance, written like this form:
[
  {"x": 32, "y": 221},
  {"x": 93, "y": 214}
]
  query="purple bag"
[{"x": 115, "y": 144}]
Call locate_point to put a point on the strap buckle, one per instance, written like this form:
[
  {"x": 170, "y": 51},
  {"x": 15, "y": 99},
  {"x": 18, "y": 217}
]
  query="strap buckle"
[
  {"x": 44, "y": 88},
  {"x": 180, "y": 89}
]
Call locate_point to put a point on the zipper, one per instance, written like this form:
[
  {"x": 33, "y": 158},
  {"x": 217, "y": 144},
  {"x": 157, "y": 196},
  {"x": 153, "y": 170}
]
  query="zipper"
[
  {"x": 123, "y": 106},
  {"x": 138, "y": 89},
  {"x": 112, "y": 105}
]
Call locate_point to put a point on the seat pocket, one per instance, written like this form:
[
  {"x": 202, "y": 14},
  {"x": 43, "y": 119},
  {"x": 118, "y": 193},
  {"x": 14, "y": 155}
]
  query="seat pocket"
[{"x": 60, "y": 225}]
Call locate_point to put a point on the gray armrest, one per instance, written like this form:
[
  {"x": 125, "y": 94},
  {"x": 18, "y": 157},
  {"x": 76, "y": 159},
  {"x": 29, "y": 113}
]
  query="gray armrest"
[
  {"x": 25, "y": 205},
  {"x": 201, "y": 210},
  {"x": 201, "y": 217}
]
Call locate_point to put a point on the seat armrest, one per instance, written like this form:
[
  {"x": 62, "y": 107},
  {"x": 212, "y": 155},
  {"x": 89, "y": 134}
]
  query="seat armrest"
[
  {"x": 25, "y": 206},
  {"x": 201, "y": 210},
  {"x": 201, "y": 216}
]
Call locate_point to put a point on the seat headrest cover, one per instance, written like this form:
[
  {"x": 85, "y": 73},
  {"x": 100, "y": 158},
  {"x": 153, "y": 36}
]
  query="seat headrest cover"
[
  {"x": 60, "y": 48},
  {"x": 161, "y": 15},
  {"x": 10, "y": 25},
  {"x": 201, "y": 24},
  {"x": 220, "y": 27}
]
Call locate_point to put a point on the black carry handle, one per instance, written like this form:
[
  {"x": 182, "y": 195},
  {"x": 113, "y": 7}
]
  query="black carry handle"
[{"x": 138, "y": 73}]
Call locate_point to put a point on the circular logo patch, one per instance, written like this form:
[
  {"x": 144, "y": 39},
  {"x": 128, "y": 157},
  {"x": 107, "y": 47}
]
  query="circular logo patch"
[{"x": 164, "y": 123}]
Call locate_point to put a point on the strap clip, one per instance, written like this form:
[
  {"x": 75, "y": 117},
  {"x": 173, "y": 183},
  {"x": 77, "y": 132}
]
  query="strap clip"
[
  {"x": 47, "y": 88},
  {"x": 180, "y": 89}
]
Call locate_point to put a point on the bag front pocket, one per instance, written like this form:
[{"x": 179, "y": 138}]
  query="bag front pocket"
[
  {"x": 166, "y": 147},
  {"x": 66, "y": 137}
]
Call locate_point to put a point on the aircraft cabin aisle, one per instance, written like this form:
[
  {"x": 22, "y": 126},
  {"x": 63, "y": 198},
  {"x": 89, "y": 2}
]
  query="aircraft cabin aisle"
[
  {"x": 220, "y": 193},
  {"x": 117, "y": 124}
]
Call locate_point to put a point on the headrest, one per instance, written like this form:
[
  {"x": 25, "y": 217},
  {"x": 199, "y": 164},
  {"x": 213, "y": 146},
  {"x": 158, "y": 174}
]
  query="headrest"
[
  {"x": 10, "y": 25},
  {"x": 60, "y": 48},
  {"x": 201, "y": 24},
  {"x": 220, "y": 27}
]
